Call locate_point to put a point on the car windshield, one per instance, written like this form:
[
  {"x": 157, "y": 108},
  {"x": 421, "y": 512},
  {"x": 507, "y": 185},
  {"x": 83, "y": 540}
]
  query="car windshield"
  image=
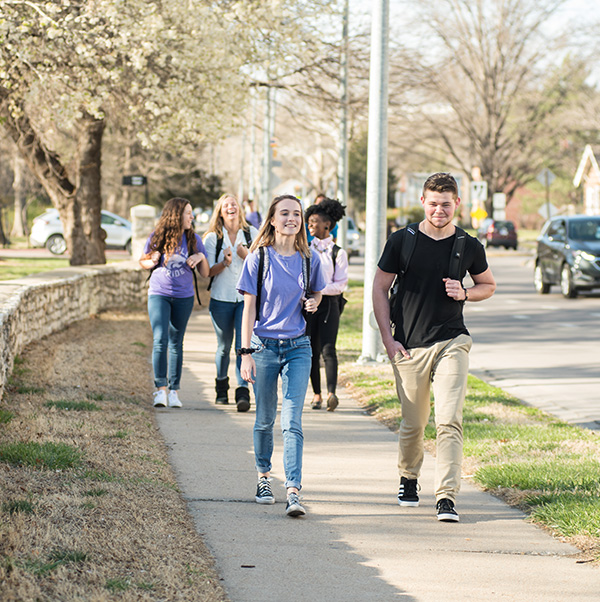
[
  {"x": 504, "y": 224},
  {"x": 587, "y": 230}
]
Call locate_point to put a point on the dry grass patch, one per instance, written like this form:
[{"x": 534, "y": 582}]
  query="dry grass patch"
[{"x": 114, "y": 526}]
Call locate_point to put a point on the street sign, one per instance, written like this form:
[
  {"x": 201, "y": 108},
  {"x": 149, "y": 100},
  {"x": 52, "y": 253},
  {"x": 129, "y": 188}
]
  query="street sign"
[
  {"x": 134, "y": 180},
  {"x": 479, "y": 191},
  {"x": 479, "y": 213},
  {"x": 499, "y": 201},
  {"x": 547, "y": 210},
  {"x": 546, "y": 177}
]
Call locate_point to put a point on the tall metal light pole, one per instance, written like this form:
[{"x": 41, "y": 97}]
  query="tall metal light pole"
[
  {"x": 376, "y": 171},
  {"x": 342, "y": 175}
]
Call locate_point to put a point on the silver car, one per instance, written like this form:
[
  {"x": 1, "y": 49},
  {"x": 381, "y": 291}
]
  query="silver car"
[{"x": 47, "y": 231}]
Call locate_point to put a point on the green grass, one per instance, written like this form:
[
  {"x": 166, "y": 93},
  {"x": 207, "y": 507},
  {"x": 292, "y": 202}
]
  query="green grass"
[
  {"x": 53, "y": 561},
  {"x": 551, "y": 469},
  {"x": 51, "y": 456},
  {"x": 118, "y": 584},
  {"x": 6, "y": 416},
  {"x": 13, "y": 268},
  {"x": 17, "y": 506},
  {"x": 76, "y": 406}
]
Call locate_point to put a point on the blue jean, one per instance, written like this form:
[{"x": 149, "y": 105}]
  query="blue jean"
[
  {"x": 290, "y": 359},
  {"x": 227, "y": 317},
  {"x": 168, "y": 317}
]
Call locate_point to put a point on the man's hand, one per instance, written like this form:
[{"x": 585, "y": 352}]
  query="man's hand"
[
  {"x": 393, "y": 347},
  {"x": 454, "y": 289}
]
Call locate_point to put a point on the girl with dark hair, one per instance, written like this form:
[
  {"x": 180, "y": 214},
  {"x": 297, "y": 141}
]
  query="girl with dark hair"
[
  {"x": 227, "y": 240},
  {"x": 172, "y": 252},
  {"x": 323, "y": 325},
  {"x": 281, "y": 271}
]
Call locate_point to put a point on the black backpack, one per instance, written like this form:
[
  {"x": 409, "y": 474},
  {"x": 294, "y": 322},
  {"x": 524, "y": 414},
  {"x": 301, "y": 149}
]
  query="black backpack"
[
  {"x": 342, "y": 299},
  {"x": 408, "y": 246},
  {"x": 220, "y": 246},
  {"x": 263, "y": 266}
]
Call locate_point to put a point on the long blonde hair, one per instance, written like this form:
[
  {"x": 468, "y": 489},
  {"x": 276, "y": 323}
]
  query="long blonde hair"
[
  {"x": 266, "y": 234},
  {"x": 216, "y": 223}
]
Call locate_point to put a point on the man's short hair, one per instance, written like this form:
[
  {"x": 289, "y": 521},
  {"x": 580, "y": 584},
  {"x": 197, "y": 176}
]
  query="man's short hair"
[{"x": 441, "y": 182}]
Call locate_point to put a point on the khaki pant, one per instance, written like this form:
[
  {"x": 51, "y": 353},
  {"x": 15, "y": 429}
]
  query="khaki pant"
[{"x": 444, "y": 366}]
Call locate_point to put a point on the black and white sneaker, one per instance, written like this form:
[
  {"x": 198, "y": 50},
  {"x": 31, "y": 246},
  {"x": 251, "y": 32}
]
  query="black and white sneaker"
[
  {"x": 407, "y": 494},
  {"x": 294, "y": 507},
  {"x": 446, "y": 511},
  {"x": 264, "y": 493}
]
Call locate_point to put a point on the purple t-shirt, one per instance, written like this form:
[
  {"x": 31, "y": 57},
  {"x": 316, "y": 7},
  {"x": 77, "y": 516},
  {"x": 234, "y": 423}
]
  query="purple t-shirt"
[
  {"x": 282, "y": 292},
  {"x": 175, "y": 279}
]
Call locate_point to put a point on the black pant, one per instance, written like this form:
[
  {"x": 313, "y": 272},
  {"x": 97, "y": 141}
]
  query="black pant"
[{"x": 323, "y": 328}]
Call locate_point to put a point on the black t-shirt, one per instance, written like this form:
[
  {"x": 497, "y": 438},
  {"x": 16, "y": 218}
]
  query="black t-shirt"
[{"x": 424, "y": 313}]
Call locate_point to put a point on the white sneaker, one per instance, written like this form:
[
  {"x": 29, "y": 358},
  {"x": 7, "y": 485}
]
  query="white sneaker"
[
  {"x": 174, "y": 400},
  {"x": 160, "y": 398}
]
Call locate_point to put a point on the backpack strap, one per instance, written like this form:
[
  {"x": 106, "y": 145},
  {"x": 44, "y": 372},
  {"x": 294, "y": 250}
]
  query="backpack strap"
[
  {"x": 334, "y": 254},
  {"x": 191, "y": 244},
  {"x": 248, "y": 237},
  {"x": 456, "y": 257},
  {"x": 408, "y": 246},
  {"x": 260, "y": 277},
  {"x": 217, "y": 251},
  {"x": 306, "y": 275}
]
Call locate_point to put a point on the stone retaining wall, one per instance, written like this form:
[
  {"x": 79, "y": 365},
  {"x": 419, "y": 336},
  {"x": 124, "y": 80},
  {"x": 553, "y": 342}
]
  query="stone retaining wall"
[{"x": 38, "y": 305}]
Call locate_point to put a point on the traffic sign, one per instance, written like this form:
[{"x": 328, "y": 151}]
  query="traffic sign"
[
  {"x": 546, "y": 177},
  {"x": 479, "y": 213},
  {"x": 479, "y": 191},
  {"x": 134, "y": 180}
]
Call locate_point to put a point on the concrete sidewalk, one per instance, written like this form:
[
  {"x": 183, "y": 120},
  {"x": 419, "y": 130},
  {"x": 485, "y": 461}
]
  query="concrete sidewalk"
[{"x": 355, "y": 543}]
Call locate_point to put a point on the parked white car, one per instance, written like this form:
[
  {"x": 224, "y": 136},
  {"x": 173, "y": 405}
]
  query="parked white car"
[
  {"x": 47, "y": 231},
  {"x": 352, "y": 238}
]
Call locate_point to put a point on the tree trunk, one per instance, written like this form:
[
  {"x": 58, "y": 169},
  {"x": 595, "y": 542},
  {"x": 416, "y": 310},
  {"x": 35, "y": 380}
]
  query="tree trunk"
[
  {"x": 19, "y": 227},
  {"x": 89, "y": 155},
  {"x": 78, "y": 206}
]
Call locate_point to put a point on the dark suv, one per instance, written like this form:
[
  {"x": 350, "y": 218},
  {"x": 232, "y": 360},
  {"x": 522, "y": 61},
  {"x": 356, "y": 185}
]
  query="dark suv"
[
  {"x": 568, "y": 253},
  {"x": 498, "y": 233}
]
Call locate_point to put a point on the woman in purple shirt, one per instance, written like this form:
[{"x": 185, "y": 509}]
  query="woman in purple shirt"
[
  {"x": 172, "y": 252},
  {"x": 274, "y": 342}
]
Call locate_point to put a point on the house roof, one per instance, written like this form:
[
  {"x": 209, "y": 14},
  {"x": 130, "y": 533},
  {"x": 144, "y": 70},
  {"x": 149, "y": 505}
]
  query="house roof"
[{"x": 589, "y": 155}]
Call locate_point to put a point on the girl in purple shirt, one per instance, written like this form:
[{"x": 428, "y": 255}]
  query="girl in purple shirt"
[
  {"x": 172, "y": 252},
  {"x": 275, "y": 345}
]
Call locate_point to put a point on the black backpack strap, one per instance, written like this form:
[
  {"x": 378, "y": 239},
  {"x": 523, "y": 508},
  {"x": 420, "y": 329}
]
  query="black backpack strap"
[
  {"x": 306, "y": 275},
  {"x": 408, "y": 246},
  {"x": 259, "y": 280},
  {"x": 248, "y": 237},
  {"x": 217, "y": 251},
  {"x": 191, "y": 245},
  {"x": 456, "y": 257},
  {"x": 334, "y": 254}
]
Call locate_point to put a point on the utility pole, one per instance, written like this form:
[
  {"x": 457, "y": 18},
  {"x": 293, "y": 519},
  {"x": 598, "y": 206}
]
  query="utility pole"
[
  {"x": 265, "y": 192},
  {"x": 376, "y": 172},
  {"x": 342, "y": 178},
  {"x": 252, "y": 174}
]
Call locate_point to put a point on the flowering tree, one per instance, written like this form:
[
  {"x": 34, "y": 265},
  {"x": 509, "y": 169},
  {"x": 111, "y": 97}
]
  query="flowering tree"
[{"x": 169, "y": 71}]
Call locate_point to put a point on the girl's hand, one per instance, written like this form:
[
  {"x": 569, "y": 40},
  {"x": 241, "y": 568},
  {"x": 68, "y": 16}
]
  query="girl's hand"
[
  {"x": 248, "y": 368},
  {"x": 242, "y": 251},
  {"x": 227, "y": 257},
  {"x": 155, "y": 257},
  {"x": 310, "y": 305},
  {"x": 195, "y": 259}
]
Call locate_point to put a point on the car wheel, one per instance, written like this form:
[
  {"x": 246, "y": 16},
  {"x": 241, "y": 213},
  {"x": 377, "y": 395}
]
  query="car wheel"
[
  {"x": 56, "y": 244},
  {"x": 128, "y": 246},
  {"x": 542, "y": 287},
  {"x": 566, "y": 282}
]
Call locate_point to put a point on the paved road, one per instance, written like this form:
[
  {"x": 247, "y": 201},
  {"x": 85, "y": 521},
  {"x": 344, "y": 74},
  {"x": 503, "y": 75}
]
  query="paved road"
[{"x": 544, "y": 349}]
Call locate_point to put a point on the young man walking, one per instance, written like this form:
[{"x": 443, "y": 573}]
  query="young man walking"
[{"x": 430, "y": 344}]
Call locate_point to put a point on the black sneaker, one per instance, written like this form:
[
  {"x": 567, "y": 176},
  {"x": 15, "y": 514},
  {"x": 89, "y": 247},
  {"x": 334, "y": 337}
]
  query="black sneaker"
[
  {"x": 294, "y": 507},
  {"x": 446, "y": 511},
  {"x": 407, "y": 494},
  {"x": 264, "y": 493}
]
